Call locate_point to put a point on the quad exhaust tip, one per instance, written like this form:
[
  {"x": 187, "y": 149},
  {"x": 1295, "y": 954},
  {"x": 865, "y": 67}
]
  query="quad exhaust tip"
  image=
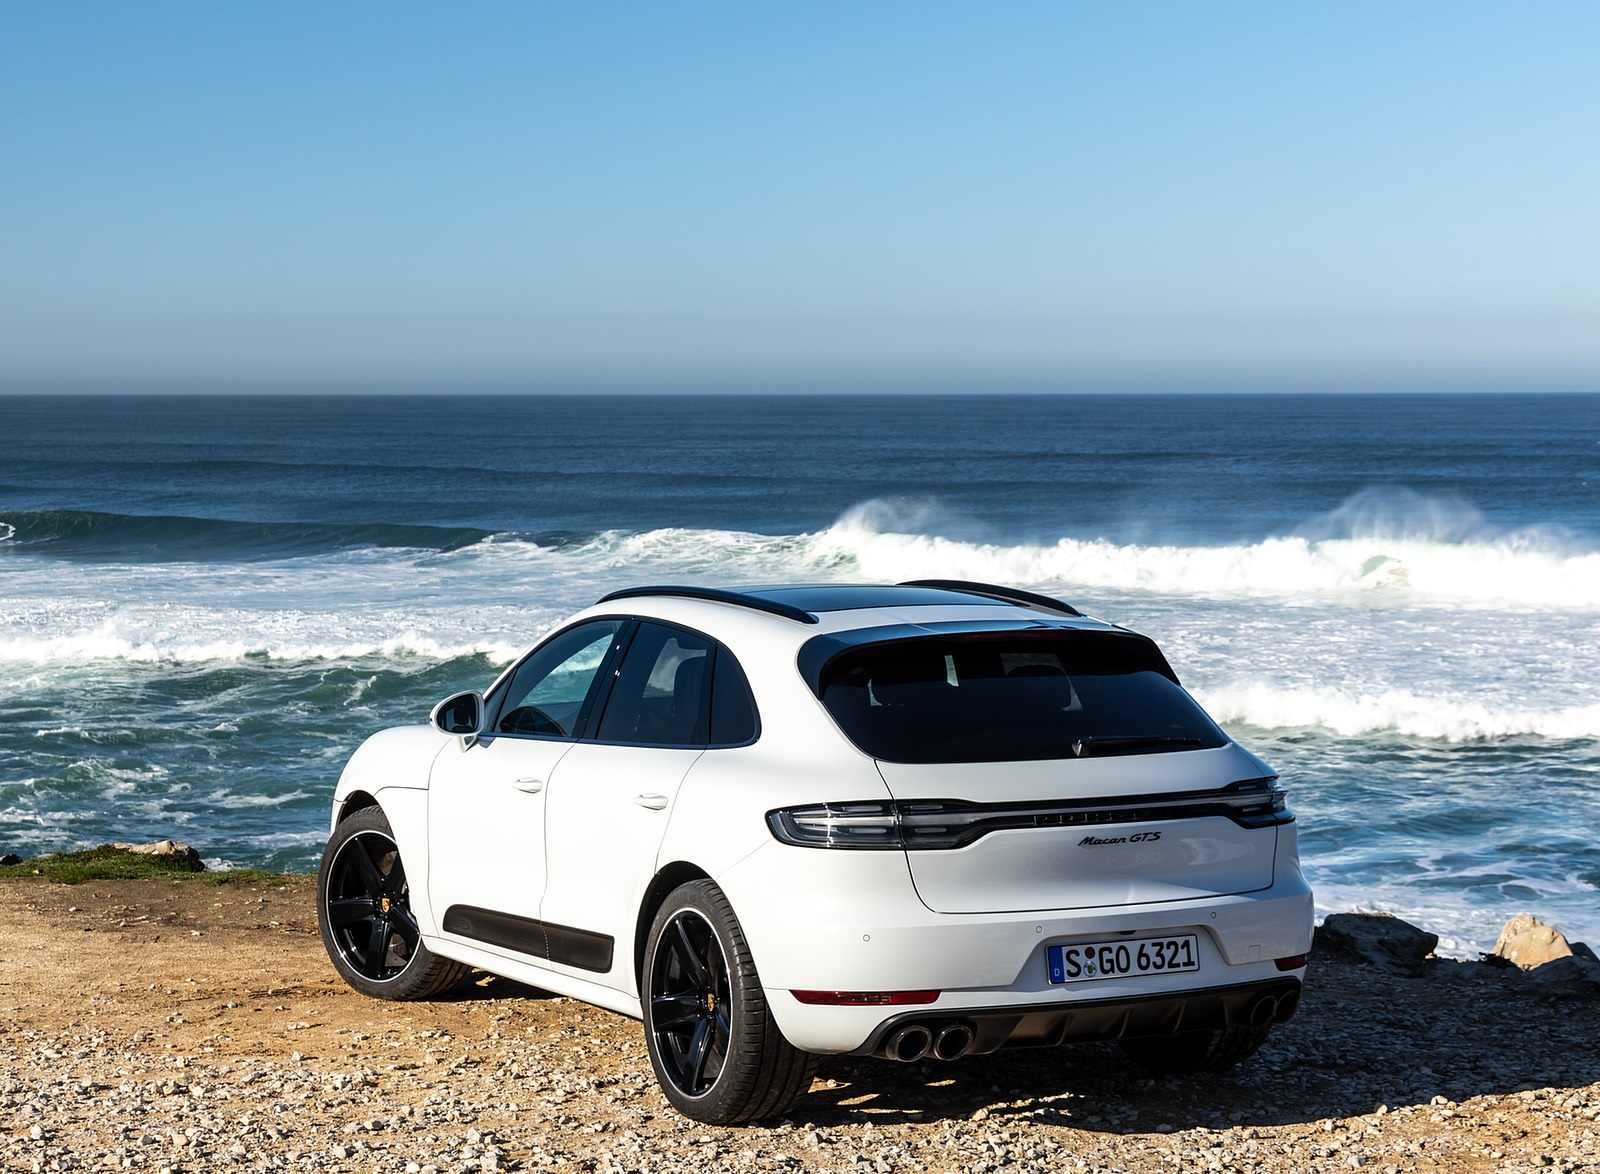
[
  {"x": 1273, "y": 1009},
  {"x": 917, "y": 1041},
  {"x": 953, "y": 1041},
  {"x": 1263, "y": 1011},
  {"x": 909, "y": 1044}
]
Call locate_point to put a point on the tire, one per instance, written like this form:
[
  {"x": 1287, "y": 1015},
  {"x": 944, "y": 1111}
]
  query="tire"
[
  {"x": 364, "y": 910},
  {"x": 1196, "y": 1051},
  {"x": 716, "y": 1050}
]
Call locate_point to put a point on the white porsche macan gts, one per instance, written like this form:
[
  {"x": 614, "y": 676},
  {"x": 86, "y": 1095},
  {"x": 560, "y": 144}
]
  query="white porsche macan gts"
[{"x": 910, "y": 821}]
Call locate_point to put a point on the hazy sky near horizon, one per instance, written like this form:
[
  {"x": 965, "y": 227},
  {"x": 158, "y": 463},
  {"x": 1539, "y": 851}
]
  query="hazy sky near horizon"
[{"x": 1150, "y": 195}]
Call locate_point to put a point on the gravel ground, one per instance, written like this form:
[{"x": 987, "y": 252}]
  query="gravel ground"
[{"x": 174, "y": 1026}]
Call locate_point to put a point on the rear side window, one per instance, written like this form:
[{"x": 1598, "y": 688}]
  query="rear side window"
[
  {"x": 733, "y": 708},
  {"x": 1011, "y": 698},
  {"x": 678, "y": 688},
  {"x": 660, "y": 695}
]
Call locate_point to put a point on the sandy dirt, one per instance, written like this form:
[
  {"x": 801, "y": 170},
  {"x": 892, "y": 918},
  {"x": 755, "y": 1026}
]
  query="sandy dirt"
[{"x": 161, "y": 1025}]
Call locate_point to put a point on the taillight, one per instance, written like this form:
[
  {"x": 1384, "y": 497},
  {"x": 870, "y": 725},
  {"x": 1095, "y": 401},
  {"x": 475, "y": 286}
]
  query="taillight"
[
  {"x": 837, "y": 825},
  {"x": 897, "y": 826},
  {"x": 865, "y": 998},
  {"x": 1261, "y": 806}
]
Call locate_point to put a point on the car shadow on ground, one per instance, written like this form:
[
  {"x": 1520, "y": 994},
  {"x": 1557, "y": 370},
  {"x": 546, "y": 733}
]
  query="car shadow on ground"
[
  {"x": 1364, "y": 1038},
  {"x": 480, "y": 986}
]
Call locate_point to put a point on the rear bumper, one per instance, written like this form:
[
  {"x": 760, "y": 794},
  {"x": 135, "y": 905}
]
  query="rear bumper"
[
  {"x": 860, "y": 927},
  {"x": 1052, "y": 1024}
]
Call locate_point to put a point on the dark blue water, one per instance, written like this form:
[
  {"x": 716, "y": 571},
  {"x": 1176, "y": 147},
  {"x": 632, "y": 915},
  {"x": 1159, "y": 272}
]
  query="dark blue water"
[{"x": 1156, "y": 469}]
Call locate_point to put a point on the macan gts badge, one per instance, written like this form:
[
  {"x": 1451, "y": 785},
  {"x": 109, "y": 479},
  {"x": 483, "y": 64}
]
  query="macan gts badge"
[{"x": 909, "y": 821}]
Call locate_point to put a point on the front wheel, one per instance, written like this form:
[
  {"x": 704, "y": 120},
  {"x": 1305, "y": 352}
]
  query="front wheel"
[
  {"x": 364, "y": 910},
  {"x": 1196, "y": 1051},
  {"x": 716, "y": 1050}
]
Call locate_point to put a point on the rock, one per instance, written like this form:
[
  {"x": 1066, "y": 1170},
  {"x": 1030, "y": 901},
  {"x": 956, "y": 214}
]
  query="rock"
[
  {"x": 1528, "y": 942},
  {"x": 1379, "y": 938},
  {"x": 175, "y": 848},
  {"x": 1570, "y": 975},
  {"x": 9, "y": 859}
]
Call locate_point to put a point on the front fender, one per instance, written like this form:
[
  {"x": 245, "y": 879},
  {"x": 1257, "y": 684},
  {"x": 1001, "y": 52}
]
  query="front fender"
[
  {"x": 393, "y": 766},
  {"x": 401, "y": 757}
]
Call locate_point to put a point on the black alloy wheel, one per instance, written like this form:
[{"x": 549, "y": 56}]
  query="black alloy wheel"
[
  {"x": 364, "y": 909},
  {"x": 717, "y": 1052},
  {"x": 690, "y": 1001}
]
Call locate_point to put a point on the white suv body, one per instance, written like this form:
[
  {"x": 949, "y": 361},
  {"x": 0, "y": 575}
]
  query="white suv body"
[{"x": 914, "y": 820}]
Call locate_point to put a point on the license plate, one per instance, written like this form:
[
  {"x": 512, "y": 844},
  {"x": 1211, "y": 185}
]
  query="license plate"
[{"x": 1086, "y": 961}]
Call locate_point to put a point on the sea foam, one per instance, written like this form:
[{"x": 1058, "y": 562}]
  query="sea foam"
[
  {"x": 494, "y": 597},
  {"x": 1400, "y": 711},
  {"x": 1525, "y": 568}
]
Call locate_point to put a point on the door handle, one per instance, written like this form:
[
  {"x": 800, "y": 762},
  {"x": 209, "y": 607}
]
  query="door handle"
[
  {"x": 530, "y": 786},
  {"x": 653, "y": 802}
]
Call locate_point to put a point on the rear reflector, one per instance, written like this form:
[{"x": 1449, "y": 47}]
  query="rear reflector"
[
  {"x": 1294, "y": 963},
  {"x": 864, "y": 998}
]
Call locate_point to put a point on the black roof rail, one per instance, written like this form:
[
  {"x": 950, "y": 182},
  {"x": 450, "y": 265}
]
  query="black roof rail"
[
  {"x": 718, "y": 595},
  {"x": 990, "y": 591}
]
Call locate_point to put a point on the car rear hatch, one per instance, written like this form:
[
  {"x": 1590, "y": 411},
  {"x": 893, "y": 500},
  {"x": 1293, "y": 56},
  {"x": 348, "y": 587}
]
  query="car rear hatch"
[
  {"x": 1014, "y": 836},
  {"x": 1049, "y": 768}
]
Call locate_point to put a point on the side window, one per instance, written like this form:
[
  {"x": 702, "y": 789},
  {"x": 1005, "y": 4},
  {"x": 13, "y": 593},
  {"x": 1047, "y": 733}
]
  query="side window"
[
  {"x": 660, "y": 698},
  {"x": 551, "y": 692},
  {"x": 733, "y": 708}
]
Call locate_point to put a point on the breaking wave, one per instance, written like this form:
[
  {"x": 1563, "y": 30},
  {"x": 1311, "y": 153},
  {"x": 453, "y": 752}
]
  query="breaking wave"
[
  {"x": 891, "y": 540},
  {"x": 474, "y": 593},
  {"x": 1469, "y": 565}
]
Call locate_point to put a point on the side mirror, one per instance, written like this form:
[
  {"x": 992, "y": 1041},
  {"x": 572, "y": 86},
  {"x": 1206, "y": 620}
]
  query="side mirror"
[{"x": 461, "y": 715}]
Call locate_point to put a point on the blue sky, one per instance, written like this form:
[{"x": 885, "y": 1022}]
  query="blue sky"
[{"x": 1160, "y": 196}]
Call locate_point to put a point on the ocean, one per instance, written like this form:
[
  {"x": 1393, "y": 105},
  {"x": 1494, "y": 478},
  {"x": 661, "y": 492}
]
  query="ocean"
[{"x": 206, "y": 602}]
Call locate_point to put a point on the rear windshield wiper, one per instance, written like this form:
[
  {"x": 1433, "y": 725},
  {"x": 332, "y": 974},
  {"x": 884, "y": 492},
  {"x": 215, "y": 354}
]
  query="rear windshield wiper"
[{"x": 1084, "y": 747}]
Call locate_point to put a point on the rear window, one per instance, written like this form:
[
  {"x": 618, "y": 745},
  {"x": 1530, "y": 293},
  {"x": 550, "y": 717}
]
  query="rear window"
[{"x": 1010, "y": 699}]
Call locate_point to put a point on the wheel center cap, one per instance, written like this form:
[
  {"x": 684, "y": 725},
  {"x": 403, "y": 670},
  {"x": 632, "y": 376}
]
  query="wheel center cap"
[{"x": 383, "y": 905}]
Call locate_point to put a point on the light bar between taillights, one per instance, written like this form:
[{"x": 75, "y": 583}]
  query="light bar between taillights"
[{"x": 924, "y": 824}]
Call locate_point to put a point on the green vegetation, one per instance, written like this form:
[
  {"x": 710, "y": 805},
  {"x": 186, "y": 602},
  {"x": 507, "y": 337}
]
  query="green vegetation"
[{"x": 110, "y": 863}]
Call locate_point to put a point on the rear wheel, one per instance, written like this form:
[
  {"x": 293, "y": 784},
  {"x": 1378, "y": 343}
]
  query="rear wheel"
[
  {"x": 715, "y": 1048},
  {"x": 1196, "y": 1051},
  {"x": 364, "y": 909}
]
